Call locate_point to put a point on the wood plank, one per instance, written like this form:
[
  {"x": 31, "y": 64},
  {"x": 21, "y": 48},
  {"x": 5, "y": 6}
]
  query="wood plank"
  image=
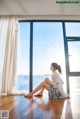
[{"x": 37, "y": 108}]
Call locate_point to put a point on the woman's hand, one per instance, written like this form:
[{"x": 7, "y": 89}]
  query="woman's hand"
[{"x": 57, "y": 84}]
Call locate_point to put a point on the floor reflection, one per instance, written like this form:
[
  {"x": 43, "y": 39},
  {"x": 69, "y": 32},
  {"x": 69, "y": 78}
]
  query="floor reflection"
[
  {"x": 41, "y": 108},
  {"x": 38, "y": 109}
]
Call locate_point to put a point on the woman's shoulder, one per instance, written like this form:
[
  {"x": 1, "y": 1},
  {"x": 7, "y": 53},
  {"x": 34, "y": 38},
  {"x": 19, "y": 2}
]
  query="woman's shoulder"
[{"x": 55, "y": 74}]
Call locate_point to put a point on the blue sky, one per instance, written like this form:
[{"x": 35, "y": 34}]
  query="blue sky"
[
  {"x": 23, "y": 48},
  {"x": 47, "y": 38},
  {"x": 72, "y": 29}
]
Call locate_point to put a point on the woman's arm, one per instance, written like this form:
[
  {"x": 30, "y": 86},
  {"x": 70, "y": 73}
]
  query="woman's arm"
[{"x": 55, "y": 84}]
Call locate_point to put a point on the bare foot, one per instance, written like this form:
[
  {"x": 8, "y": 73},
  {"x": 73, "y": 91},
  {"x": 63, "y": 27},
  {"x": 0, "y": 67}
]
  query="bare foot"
[
  {"x": 38, "y": 95},
  {"x": 30, "y": 95}
]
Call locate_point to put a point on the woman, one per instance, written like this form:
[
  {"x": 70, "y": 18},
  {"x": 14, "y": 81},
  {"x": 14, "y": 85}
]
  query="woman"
[{"x": 54, "y": 87}]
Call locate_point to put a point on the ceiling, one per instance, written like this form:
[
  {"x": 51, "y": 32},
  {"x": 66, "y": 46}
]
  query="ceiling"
[{"x": 38, "y": 7}]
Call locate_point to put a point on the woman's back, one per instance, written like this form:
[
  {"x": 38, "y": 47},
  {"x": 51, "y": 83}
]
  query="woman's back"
[{"x": 56, "y": 79}]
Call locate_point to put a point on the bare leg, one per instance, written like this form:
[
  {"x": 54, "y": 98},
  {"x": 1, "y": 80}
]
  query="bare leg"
[
  {"x": 48, "y": 81},
  {"x": 39, "y": 87},
  {"x": 41, "y": 91}
]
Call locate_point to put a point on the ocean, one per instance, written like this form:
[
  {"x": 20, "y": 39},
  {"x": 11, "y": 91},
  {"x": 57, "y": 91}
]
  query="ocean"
[{"x": 22, "y": 82}]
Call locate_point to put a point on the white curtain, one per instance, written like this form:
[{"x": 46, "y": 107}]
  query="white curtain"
[{"x": 8, "y": 53}]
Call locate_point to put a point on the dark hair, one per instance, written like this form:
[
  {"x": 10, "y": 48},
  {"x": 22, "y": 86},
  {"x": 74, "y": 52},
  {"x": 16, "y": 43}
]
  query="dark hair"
[{"x": 57, "y": 67}]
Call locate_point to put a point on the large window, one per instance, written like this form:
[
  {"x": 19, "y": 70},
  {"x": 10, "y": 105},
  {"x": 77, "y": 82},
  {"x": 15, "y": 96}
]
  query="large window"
[
  {"x": 48, "y": 47},
  {"x": 40, "y": 44},
  {"x": 75, "y": 84},
  {"x": 72, "y": 29},
  {"x": 74, "y": 56},
  {"x": 22, "y": 81}
]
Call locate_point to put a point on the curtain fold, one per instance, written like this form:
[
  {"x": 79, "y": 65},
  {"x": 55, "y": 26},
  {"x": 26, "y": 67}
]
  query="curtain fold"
[{"x": 10, "y": 54}]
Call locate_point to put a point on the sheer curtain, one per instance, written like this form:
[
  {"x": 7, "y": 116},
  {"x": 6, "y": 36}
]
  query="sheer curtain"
[{"x": 8, "y": 53}]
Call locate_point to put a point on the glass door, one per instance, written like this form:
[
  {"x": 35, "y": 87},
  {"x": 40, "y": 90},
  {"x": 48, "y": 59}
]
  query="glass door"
[
  {"x": 71, "y": 33},
  {"x": 48, "y": 47},
  {"x": 74, "y": 55},
  {"x": 74, "y": 65},
  {"x": 22, "y": 79}
]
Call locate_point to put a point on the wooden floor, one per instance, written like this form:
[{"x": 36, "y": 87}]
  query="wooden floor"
[{"x": 41, "y": 108}]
